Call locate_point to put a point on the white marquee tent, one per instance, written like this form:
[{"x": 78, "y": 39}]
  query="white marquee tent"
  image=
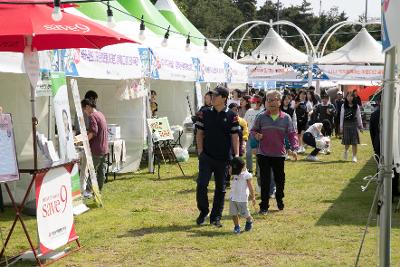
[
  {"x": 362, "y": 49},
  {"x": 274, "y": 45}
]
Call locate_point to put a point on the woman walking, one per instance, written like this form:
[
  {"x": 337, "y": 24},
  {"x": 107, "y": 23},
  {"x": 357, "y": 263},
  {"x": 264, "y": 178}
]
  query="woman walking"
[{"x": 350, "y": 124}]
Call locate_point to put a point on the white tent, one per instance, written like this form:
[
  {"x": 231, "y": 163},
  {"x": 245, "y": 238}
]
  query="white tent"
[
  {"x": 362, "y": 49},
  {"x": 275, "y": 46}
]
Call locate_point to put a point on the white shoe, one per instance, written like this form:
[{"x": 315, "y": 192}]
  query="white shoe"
[
  {"x": 328, "y": 151},
  {"x": 312, "y": 158},
  {"x": 87, "y": 194},
  {"x": 345, "y": 155},
  {"x": 301, "y": 150},
  {"x": 354, "y": 159}
]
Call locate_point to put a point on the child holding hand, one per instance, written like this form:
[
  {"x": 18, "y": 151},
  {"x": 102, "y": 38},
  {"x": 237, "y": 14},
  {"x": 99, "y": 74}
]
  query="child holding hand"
[{"x": 241, "y": 189}]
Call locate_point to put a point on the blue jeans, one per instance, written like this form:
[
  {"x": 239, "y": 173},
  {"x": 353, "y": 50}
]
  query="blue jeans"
[{"x": 207, "y": 166}]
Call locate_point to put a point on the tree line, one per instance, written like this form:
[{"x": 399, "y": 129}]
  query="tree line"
[{"x": 217, "y": 18}]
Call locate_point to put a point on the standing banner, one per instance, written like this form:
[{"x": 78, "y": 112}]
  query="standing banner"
[
  {"x": 78, "y": 206},
  {"x": 63, "y": 116},
  {"x": 54, "y": 213},
  {"x": 8, "y": 155},
  {"x": 86, "y": 147},
  {"x": 160, "y": 129}
]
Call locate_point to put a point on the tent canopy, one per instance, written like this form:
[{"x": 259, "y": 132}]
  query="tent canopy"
[
  {"x": 274, "y": 45},
  {"x": 362, "y": 49},
  {"x": 172, "y": 13},
  {"x": 150, "y": 14}
]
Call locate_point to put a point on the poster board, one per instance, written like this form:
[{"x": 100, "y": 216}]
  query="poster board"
[
  {"x": 54, "y": 212},
  {"x": 63, "y": 117},
  {"x": 8, "y": 156},
  {"x": 159, "y": 127}
]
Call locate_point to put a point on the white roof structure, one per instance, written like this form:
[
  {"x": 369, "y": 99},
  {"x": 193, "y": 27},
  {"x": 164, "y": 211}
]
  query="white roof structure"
[
  {"x": 362, "y": 49},
  {"x": 274, "y": 45}
]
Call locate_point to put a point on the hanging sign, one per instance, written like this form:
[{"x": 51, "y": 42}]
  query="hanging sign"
[
  {"x": 63, "y": 116},
  {"x": 8, "y": 156}
]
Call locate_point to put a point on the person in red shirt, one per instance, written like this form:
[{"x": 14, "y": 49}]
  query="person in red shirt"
[{"x": 98, "y": 139}]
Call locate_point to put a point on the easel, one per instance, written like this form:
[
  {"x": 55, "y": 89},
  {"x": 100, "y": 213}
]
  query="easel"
[
  {"x": 18, "y": 213},
  {"x": 158, "y": 148}
]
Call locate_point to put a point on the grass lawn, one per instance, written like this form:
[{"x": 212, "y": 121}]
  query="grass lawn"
[{"x": 150, "y": 222}]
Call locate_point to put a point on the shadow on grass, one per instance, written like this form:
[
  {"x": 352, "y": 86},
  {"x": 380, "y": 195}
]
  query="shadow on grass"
[
  {"x": 352, "y": 206},
  {"x": 193, "y": 230},
  {"x": 162, "y": 179}
]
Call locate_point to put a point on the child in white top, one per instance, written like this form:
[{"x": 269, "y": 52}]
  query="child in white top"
[
  {"x": 241, "y": 189},
  {"x": 314, "y": 137}
]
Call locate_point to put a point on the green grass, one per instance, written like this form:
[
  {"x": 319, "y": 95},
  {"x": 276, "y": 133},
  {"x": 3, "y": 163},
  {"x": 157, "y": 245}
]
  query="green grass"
[{"x": 150, "y": 222}]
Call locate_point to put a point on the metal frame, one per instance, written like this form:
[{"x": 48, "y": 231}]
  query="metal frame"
[{"x": 18, "y": 216}]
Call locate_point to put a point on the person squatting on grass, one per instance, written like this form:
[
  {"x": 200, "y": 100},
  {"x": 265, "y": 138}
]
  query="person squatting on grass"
[
  {"x": 217, "y": 134},
  {"x": 270, "y": 128},
  {"x": 314, "y": 136},
  {"x": 241, "y": 189}
]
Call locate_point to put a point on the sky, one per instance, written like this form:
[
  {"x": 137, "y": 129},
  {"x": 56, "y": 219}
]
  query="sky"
[{"x": 353, "y": 8}]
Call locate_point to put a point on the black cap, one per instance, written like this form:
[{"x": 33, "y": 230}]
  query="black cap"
[{"x": 222, "y": 91}]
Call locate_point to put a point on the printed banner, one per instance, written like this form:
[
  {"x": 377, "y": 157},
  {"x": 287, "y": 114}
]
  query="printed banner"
[
  {"x": 8, "y": 155},
  {"x": 160, "y": 129},
  {"x": 299, "y": 72},
  {"x": 85, "y": 142},
  {"x": 63, "y": 117},
  {"x": 352, "y": 72},
  {"x": 390, "y": 24},
  {"x": 54, "y": 213}
]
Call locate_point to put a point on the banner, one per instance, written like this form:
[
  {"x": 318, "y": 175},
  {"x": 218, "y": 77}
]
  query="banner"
[
  {"x": 352, "y": 72},
  {"x": 390, "y": 23},
  {"x": 54, "y": 214},
  {"x": 160, "y": 129},
  {"x": 37, "y": 67},
  {"x": 63, "y": 117},
  {"x": 86, "y": 145},
  {"x": 8, "y": 155},
  {"x": 299, "y": 72}
]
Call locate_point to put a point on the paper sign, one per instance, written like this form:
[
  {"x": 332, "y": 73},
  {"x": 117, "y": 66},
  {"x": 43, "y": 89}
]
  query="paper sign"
[
  {"x": 160, "y": 129},
  {"x": 8, "y": 157}
]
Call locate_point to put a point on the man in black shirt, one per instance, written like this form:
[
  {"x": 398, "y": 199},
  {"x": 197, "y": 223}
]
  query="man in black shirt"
[{"x": 217, "y": 134}]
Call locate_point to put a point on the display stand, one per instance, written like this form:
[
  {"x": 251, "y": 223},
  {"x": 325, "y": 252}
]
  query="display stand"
[
  {"x": 35, "y": 172},
  {"x": 163, "y": 150}
]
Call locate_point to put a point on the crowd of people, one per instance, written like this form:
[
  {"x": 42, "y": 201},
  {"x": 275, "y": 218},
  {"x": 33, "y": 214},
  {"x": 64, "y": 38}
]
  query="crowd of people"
[{"x": 274, "y": 126}]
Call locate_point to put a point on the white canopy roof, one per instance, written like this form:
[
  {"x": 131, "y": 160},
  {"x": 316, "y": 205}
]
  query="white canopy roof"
[
  {"x": 363, "y": 48},
  {"x": 274, "y": 45}
]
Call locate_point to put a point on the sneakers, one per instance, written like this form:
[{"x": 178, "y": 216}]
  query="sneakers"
[
  {"x": 236, "y": 229},
  {"x": 345, "y": 155},
  {"x": 327, "y": 151},
  {"x": 248, "y": 226},
  {"x": 354, "y": 159},
  {"x": 280, "y": 205},
  {"x": 216, "y": 223},
  {"x": 201, "y": 220},
  {"x": 301, "y": 150},
  {"x": 312, "y": 158},
  {"x": 263, "y": 212},
  {"x": 87, "y": 194}
]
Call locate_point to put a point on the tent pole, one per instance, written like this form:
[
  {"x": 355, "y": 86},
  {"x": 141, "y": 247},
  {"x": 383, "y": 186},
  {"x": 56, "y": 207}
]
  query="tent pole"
[
  {"x": 34, "y": 124},
  {"x": 310, "y": 66},
  {"x": 387, "y": 152}
]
